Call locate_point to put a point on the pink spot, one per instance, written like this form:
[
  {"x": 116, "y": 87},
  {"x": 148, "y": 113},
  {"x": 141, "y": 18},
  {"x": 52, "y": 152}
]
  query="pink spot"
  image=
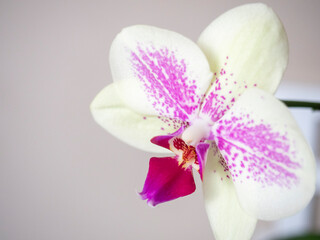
[
  {"x": 267, "y": 156},
  {"x": 215, "y": 103},
  {"x": 165, "y": 82}
]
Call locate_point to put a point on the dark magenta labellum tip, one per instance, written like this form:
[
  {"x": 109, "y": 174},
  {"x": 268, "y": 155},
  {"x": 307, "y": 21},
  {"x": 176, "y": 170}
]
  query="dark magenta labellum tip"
[{"x": 167, "y": 180}]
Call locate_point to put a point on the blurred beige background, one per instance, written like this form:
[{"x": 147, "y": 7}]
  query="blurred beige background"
[{"x": 61, "y": 175}]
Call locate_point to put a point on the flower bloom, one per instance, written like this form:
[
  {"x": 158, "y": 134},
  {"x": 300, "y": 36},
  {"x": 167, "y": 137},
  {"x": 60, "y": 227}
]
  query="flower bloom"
[{"x": 211, "y": 104}]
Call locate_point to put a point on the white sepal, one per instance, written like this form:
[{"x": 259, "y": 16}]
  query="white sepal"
[
  {"x": 246, "y": 47},
  {"x": 228, "y": 220},
  {"x": 134, "y": 129}
]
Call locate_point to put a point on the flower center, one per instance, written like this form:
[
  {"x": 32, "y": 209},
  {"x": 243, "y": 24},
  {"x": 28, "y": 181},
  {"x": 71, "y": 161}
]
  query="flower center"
[
  {"x": 197, "y": 131},
  {"x": 185, "y": 145},
  {"x": 187, "y": 154}
]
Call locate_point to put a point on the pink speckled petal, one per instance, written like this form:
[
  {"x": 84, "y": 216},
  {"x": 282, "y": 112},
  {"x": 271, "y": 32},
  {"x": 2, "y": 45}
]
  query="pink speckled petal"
[
  {"x": 166, "y": 180},
  {"x": 202, "y": 151},
  {"x": 270, "y": 162},
  {"x": 246, "y": 47},
  {"x": 133, "y": 128},
  {"x": 227, "y": 219},
  {"x": 159, "y": 72}
]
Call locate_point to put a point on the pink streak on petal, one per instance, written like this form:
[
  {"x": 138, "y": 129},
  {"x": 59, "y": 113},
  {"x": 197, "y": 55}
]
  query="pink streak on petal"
[
  {"x": 221, "y": 96},
  {"x": 166, "y": 180},
  {"x": 163, "y": 140},
  {"x": 165, "y": 81},
  {"x": 255, "y": 151},
  {"x": 202, "y": 151}
]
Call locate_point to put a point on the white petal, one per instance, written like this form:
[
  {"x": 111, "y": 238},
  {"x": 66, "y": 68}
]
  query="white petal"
[
  {"x": 135, "y": 129},
  {"x": 246, "y": 47},
  {"x": 159, "y": 72},
  {"x": 271, "y": 163},
  {"x": 227, "y": 219}
]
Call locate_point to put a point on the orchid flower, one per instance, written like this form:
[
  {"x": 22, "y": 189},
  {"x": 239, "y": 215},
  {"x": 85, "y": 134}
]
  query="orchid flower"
[{"x": 211, "y": 106}]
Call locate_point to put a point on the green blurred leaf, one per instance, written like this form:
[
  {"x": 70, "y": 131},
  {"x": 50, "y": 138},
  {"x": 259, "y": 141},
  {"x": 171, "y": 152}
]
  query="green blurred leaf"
[{"x": 309, "y": 236}]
